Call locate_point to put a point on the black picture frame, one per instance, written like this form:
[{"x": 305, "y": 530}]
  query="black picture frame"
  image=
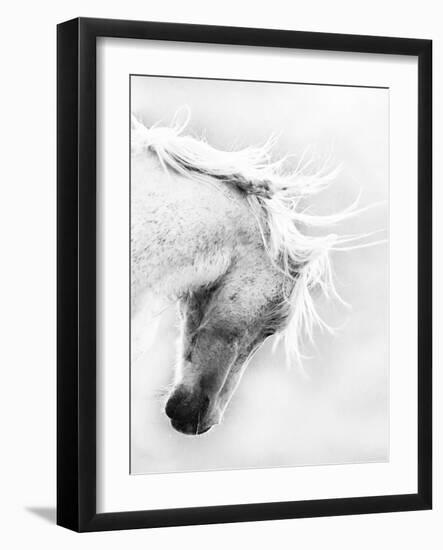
[{"x": 76, "y": 279}]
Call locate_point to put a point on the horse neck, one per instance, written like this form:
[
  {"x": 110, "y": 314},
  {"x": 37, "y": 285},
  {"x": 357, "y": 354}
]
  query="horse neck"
[{"x": 184, "y": 233}]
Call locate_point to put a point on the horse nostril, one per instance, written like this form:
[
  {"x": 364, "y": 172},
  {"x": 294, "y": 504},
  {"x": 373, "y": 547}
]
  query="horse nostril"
[
  {"x": 183, "y": 406},
  {"x": 172, "y": 404}
]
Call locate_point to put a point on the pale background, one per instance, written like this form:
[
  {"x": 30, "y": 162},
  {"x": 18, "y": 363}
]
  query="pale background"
[
  {"x": 28, "y": 277},
  {"x": 338, "y": 413}
]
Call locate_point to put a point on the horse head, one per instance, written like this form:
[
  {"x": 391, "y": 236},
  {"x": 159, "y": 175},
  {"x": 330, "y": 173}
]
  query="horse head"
[
  {"x": 244, "y": 280},
  {"x": 221, "y": 327}
]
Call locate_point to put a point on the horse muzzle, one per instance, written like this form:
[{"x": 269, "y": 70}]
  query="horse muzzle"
[{"x": 188, "y": 411}]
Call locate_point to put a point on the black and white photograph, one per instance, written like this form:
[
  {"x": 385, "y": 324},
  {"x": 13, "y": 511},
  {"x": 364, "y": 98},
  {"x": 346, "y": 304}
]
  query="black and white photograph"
[
  {"x": 221, "y": 275},
  {"x": 259, "y": 274}
]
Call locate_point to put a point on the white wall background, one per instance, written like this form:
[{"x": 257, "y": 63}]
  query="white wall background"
[{"x": 27, "y": 223}]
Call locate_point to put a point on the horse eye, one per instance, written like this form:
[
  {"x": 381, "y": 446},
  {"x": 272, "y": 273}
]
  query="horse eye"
[{"x": 209, "y": 290}]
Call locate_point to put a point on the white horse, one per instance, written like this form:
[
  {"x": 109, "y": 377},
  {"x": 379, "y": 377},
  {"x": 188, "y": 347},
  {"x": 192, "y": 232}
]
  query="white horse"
[{"x": 224, "y": 234}]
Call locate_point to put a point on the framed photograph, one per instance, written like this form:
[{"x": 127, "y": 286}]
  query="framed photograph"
[{"x": 244, "y": 274}]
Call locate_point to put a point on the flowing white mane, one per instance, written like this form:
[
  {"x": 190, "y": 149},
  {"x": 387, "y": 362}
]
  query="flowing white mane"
[{"x": 276, "y": 197}]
